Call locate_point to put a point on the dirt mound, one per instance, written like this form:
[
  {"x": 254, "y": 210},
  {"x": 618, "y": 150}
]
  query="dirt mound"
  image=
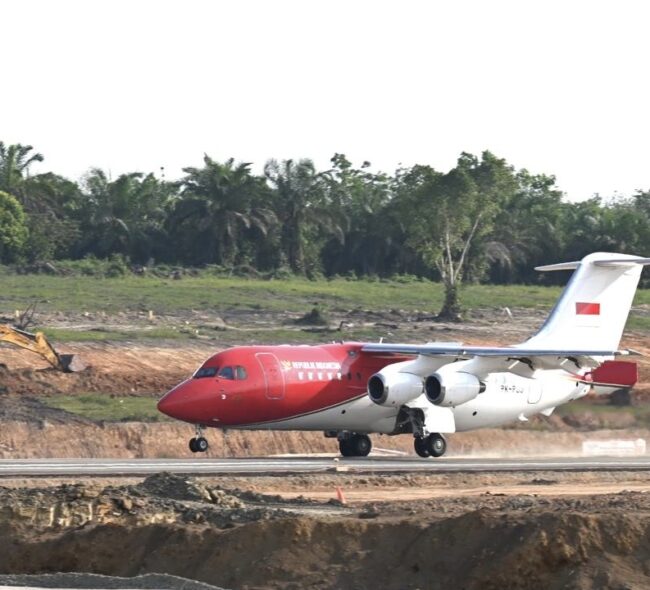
[
  {"x": 118, "y": 368},
  {"x": 476, "y": 550},
  {"x": 187, "y": 489},
  {"x": 177, "y": 487}
]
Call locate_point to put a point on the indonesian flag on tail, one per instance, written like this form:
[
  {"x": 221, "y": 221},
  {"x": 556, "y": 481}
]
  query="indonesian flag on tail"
[
  {"x": 583, "y": 308},
  {"x": 587, "y": 314}
]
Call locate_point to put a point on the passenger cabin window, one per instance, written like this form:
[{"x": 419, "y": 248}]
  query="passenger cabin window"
[
  {"x": 241, "y": 373},
  {"x": 206, "y": 372},
  {"x": 227, "y": 373}
]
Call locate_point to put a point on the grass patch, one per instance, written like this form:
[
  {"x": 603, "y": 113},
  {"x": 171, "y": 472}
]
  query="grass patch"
[
  {"x": 80, "y": 294},
  {"x": 101, "y": 335},
  {"x": 221, "y": 295},
  {"x": 103, "y": 408},
  {"x": 638, "y": 322}
]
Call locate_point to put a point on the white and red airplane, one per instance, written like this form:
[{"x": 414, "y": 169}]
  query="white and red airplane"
[{"x": 350, "y": 390}]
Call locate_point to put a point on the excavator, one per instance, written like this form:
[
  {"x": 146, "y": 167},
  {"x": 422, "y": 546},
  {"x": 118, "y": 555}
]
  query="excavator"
[{"x": 38, "y": 343}]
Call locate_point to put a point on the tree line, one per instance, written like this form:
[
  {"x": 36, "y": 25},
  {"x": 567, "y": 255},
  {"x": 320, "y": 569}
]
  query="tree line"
[{"x": 481, "y": 221}]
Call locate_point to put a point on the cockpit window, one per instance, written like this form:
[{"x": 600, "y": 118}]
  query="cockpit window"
[
  {"x": 241, "y": 373},
  {"x": 206, "y": 372},
  {"x": 227, "y": 373}
]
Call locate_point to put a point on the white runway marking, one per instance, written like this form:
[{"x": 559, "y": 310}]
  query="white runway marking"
[{"x": 301, "y": 464}]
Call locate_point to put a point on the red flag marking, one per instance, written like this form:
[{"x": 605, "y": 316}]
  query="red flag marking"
[{"x": 588, "y": 308}]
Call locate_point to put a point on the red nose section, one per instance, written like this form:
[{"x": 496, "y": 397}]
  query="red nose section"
[{"x": 180, "y": 402}]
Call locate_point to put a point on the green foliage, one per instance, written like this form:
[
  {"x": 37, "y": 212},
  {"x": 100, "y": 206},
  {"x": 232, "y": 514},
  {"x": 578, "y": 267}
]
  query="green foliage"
[
  {"x": 218, "y": 204},
  {"x": 481, "y": 219},
  {"x": 124, "y": 216},
  {"x": 13, "y": 229},
  {"x": 117, "y": 266},
  {"x": 449, "y": 213},
  {"x": 15, "y": 160},
  {"x": 307, "y": 211}
]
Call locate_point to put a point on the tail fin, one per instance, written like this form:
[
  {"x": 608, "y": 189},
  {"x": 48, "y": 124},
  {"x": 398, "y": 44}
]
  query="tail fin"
[{"x": 593, "y": 308}]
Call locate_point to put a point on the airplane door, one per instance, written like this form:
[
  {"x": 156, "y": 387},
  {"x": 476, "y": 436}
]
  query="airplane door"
[
  {"x": 273, "y": 376},
  {"x": 534, "y": 392}
]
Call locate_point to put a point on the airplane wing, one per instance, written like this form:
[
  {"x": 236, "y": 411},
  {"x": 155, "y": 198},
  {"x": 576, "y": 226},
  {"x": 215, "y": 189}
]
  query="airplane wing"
[
  {"x": 548, "y": 358},
  {"x": 461, "y": 351}
]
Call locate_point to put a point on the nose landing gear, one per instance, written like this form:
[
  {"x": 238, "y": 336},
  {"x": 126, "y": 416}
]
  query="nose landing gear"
[{"x": 199, "y": 443}]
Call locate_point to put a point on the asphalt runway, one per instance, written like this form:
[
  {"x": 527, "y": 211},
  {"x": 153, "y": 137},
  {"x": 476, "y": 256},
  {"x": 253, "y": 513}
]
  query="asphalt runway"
[{"x": 305, "y": 464}]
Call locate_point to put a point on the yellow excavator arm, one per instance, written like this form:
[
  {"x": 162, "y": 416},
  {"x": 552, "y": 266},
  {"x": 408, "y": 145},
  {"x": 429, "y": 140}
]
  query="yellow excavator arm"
[{"x": 38, "y": 344}]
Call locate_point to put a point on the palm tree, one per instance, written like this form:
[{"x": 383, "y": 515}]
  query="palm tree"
[
  {"x": 15, "y": 161},
  {"x": 122, "y": 216},
  {"x": 304, "y": 207},
  {"x": 217, "y": 202}
]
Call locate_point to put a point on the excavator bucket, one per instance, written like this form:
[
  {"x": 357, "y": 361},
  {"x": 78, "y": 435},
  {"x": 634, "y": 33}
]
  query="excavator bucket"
[
  {"x": 38, "y": 343},
  {"x": 71, "y": 363}
]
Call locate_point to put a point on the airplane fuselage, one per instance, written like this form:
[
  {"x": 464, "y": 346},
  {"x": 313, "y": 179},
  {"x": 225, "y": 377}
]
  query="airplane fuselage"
[{"x": 325, "y": 388}]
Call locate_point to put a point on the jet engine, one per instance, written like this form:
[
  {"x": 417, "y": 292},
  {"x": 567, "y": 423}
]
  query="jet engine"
[
  {"x": 394, "y": 389},
  {"x": 452, "y": 389}
]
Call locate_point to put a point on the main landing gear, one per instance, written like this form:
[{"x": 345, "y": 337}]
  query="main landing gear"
[
  {"x": 433, "y": 445},
  {"x": 199, "y": 443},
  {"x": 355, "y": 445}
]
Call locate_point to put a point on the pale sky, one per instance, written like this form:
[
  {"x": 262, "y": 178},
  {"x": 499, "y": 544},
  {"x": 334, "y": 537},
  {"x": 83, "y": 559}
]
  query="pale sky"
[{"x": 560, "y": 87}]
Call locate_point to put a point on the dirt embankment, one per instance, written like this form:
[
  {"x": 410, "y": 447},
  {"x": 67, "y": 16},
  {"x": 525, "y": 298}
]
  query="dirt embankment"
[
  {"x": 159, "y": 440},
  {"x": 238, "y": 539},
  {"x": 136, "y": 369}
]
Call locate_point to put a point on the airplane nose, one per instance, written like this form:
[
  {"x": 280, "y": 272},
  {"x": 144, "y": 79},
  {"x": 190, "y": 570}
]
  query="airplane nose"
[{"x": 176, "y": 403}]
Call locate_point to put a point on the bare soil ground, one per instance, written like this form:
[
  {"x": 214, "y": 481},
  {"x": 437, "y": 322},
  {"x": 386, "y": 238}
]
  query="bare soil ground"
[
  {"x": 151, "y": 367},
  {"x": 238, "y": 537},
  {"x": 548, "y": 530}
]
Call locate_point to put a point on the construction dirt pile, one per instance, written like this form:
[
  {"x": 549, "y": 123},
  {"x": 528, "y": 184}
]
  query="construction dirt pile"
[{"x": 242, "y": 539}]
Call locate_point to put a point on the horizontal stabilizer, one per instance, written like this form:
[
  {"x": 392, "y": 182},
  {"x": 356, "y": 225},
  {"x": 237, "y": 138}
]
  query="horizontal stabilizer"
[
  {"x": 622, "y": 262},
  {"x": 606, "y": 262},
  {"x": 559, "y": 266}
]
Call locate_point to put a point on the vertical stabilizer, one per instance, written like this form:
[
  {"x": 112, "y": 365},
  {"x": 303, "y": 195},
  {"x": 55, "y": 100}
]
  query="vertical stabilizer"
[{"x": 593, "y": 308}]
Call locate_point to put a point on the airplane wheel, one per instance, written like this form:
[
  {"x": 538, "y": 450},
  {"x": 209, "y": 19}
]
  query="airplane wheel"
[
  {"x": 201, "y": 445},
  {"x": 420, "y": 445},
  {"x": 193, "y": 445},
  {"x": 436, "y": 445},
  {"x": 345, "y": 448},
  {"x": 360, "y": 445}
]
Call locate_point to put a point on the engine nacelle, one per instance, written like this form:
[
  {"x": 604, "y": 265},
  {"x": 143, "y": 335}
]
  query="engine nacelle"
[
  {"x": 452, "y": 389},
  {"x": 394, "y": 389}
]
